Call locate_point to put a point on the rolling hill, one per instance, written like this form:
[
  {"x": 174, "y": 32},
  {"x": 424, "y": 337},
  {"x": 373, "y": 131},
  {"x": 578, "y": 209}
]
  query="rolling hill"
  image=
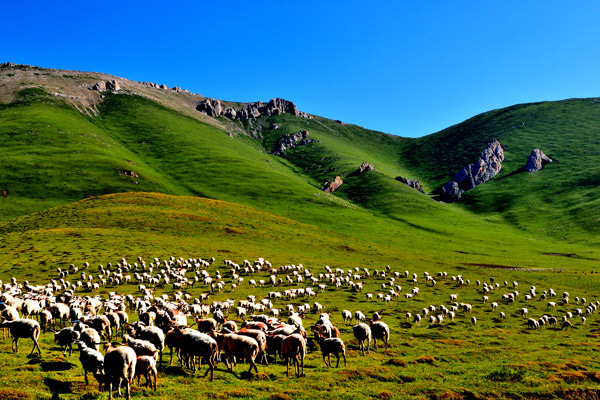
[
  {"x": 96, "y": 168},
  {"x": 64, "y": 142}
]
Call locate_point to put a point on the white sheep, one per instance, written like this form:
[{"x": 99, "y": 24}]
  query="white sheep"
[
  {"x": 23, "y": 328},
  {"x": 362, "y": 333},
  {"x": 91, "y": 361},
  {"x": 119, "y": 366}
]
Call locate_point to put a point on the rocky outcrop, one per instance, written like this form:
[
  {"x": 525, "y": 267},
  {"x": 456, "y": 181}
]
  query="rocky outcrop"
[
  {"x": 103, "y": 86},
  {"x": 487, "y": 166},
  {"x": 330, "y": 187},
  {"x": 113, "y": 85},
  {"x": 99, "y": 86},
  {"x": 251, "y": 110},
  {"x": 413, "y": 183},
  {"x": 210, "y": 107},
  {"x": 290, "y": 141},
  {"x": 536, "y": 160},
  {"x": 365, "y": 167}
]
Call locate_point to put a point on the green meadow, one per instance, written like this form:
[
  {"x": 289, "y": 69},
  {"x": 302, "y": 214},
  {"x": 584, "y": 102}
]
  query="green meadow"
[{"x": 141, "y": 178}]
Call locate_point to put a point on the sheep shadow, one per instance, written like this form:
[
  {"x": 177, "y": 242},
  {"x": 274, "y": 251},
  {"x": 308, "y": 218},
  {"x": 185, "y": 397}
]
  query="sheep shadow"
[
  {"x": 56, "y": 366},
  {"x": 58, "y": 387}
]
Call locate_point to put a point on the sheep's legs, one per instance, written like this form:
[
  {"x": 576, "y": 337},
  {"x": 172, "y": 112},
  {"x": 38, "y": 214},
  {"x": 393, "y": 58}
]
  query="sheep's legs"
[{"x": 35, "y": 345}]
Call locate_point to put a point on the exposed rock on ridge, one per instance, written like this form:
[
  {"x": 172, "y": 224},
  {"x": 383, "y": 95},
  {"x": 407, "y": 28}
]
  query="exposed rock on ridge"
[
  {"x": 213, "y": 108},
  {"x": 413, "y": 183},
  {"x": 365, "y": 167},
  {"x": 536, "y": 160},
  {"x": 102, "y": 86},
  {"x": 487, "y": 166},
  {"x": 330, "y": 187},
  {"x": 290, "y": 141}
]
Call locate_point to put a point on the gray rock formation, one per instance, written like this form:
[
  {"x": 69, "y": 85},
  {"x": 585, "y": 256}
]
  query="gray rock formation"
[
  {"x": 536, "y": 160},
  {"x": 99, "y": 86},
  {"x": 330, "y": 187},
  {"x": 413, "y": 183},
  {"x": 487, "y": 166},
  {"x": 252, "y": 110},
  {"x": 102, "y": 86},
  {"x": 365, "y": 167},
  {"x": 229, "y": 113},
  {"x": 290, "y": 141},
  {"x": 210, "y": 107},
  {"x": 113, "y": 85}
]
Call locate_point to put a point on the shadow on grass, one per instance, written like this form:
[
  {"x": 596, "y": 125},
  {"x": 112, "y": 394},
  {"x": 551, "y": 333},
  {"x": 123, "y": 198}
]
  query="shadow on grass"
[
  {"x": 58, "y": 387},
  {"x": 56, "y": 366}
]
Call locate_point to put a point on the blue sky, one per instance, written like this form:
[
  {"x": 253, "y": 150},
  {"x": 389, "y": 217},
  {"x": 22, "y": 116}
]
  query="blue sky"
[{"x": 409, "y": 68}]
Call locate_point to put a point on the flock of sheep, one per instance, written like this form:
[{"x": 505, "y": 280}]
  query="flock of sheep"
[{"x": 67, "y": 306}]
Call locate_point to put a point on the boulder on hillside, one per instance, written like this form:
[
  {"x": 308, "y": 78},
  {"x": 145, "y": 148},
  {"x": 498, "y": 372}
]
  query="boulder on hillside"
[
  {"x": 413, "y": 183},
  {"x": 279, "y": 106},
  {"x": 276, "y": 106},
  {"x": 210, "y": 107},
  {"x": 451, "y": 192},
  {"x": 536, "y": 160},
  {"x": 164, "y": 87},
  {"x": 290, "y": 141},
  {"x": 229, "y": 113},
  {"x": 102, "y": 86},
  {"x": 487, "y": 166},
  {"x": 365, "y": 167},
  {"x": 330, "y": 187},
  {"x": 113, "y": 85},
  {"x": 99, "y": 86}
]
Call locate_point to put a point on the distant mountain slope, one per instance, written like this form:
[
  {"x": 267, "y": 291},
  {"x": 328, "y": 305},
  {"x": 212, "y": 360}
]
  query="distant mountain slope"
[
  {"x": 561, "y": 200},
  {"x": 64, "y": 142}
]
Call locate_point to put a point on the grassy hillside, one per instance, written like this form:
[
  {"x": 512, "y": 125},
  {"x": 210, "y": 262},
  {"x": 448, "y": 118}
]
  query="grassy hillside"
[
  {"x": 94, "y": 177},
  {"x": 561, "y": 200}
]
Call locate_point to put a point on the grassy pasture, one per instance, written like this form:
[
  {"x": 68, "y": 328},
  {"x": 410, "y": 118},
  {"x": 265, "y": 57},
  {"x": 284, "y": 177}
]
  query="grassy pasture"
[{"x": 493, "y": 359}]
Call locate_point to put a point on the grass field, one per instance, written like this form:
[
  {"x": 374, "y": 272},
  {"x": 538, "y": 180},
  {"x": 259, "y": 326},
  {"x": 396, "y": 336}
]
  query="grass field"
[{"x": 146, "y": 177}]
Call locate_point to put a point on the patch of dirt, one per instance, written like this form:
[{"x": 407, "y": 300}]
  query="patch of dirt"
[
  {"x": 396, "y": 362},
  {"x": 426, "y": 359},
  {"x": 13, "y": 394}
]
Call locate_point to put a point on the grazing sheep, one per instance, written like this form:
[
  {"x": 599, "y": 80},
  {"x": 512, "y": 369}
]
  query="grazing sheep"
[
  {"x": 238, "y": 347},
  {"x": 197, "y": 344},
  {"x": 473, "y": 320},
  {"x": 65, "y": 338},
  {"x": 260, "y": 338},
  {"x": 150, "y": 333},
  {"x": 347, "y": 316},
  {"x": 119, "y": 366},
  {"x": 23, "y": 328},
  {"x": 359, "y": 316},
  {"x": 293, "y": 346},
  {"x": 146, "y": 366},
  {"x": 45, "y": 320},
  {"x": 380, "y": 330},
  {"x": 91, "y": 361},
  {"x": 141, "y": 347},
  {"x": 90, "y": 337},
  {"x": 331, "y": 346},
  {"x": 362, "y": 333},
  {"x": 533, "y": 324},
  {"x": 207, "y": 325}
]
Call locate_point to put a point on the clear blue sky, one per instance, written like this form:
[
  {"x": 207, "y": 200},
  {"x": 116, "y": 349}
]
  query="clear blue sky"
[{"x": 409, "y": 68}]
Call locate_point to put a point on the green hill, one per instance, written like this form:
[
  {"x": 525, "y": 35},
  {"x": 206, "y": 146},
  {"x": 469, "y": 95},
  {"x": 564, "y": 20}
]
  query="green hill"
[
  {"x": 61, "y": 147},
  {"x": 95, "y": 176}
]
